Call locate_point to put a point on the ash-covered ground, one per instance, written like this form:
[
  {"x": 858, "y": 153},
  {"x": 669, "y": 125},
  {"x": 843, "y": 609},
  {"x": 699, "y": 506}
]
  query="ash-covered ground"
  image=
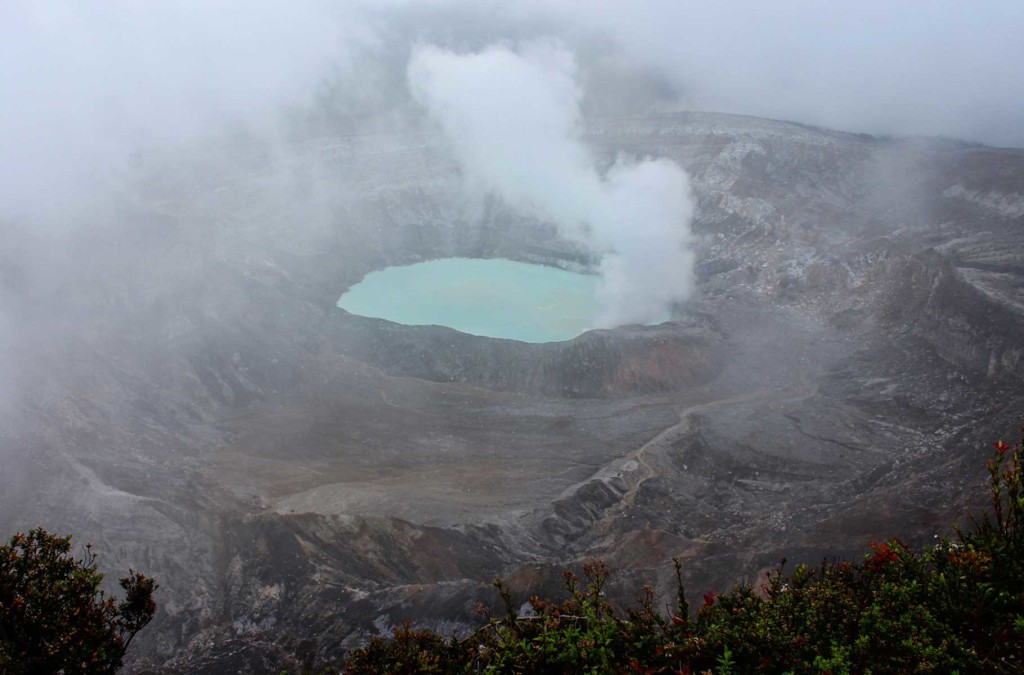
[{"x": 299, "y": 479}]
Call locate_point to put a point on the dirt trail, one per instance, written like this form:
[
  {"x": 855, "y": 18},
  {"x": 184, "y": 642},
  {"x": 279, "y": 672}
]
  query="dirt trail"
[
  {"x": 679, "y": 428},
  {"x": 800, "y": 391}
]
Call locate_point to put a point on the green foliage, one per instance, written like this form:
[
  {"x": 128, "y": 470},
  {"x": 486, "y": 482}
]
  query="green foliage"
[
  {"x": 54, "y": 618},
  {"x": 408, "y": 651},
  {"x": 957, "y": 606},
  {"x": 579, "y": 635}
]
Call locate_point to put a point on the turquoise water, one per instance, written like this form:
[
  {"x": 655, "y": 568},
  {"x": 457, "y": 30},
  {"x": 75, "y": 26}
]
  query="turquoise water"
[{"x": 490, "y": 297}]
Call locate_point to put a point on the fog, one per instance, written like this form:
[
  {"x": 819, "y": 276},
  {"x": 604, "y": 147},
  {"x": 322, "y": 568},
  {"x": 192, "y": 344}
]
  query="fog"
[
  {"x": 87, "y": 84},
  {"x": 186, "y": 188},
  {"x": 911, "y": 68},
  {"x": 102, "y": 96}
]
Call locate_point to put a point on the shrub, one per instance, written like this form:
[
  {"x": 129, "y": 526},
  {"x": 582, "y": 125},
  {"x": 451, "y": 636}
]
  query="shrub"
[{"x": 54, "y": 618}]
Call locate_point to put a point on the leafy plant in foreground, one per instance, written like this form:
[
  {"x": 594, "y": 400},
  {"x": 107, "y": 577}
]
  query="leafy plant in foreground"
[{"x": 54, "y": 618}]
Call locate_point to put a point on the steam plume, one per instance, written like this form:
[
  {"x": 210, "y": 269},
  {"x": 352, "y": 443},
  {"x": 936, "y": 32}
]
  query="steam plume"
[{"x": 513, "y": 118}]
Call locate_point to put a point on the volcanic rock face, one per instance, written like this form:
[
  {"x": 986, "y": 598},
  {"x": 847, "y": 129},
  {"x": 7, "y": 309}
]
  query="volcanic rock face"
[
  {"x": 600, "y": 363},
  {"x": 298, "y": 479}
]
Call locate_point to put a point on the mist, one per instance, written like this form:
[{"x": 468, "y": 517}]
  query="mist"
[
  {"x": 186, "y": 189},
  {"x": 91, "y": 87},
  {"x": 102, "y": 98},
  {"x": 636, "y": 217},
  {"x": 88, "y": 85},
  {"x": 938, "y": 68}
]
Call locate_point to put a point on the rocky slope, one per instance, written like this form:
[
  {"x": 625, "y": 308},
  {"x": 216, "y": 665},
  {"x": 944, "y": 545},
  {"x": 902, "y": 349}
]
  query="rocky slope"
[{"x": 299, "y": 479}]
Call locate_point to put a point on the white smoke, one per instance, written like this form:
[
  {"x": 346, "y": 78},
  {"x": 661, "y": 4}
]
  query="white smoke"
[{"x": 513, "y": 118}]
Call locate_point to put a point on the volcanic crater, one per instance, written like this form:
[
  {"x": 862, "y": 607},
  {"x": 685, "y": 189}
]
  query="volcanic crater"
[{"x": 300, "y": 478}]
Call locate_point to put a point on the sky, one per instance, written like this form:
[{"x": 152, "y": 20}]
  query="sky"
[
  {"x": 85, "y": 83},
  {"x": 905, "y": 67}
]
